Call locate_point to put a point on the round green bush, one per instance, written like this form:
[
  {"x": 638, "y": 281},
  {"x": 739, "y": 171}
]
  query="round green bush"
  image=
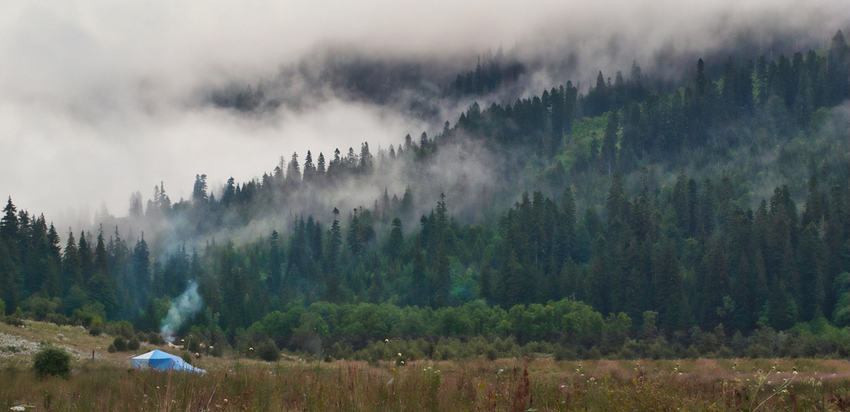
[
  {"x": 267, "y": 351},
  {"x": 96, "y": 327},
  {"x": 193, "y": 345},
  {"x": 156, "y": 339},
  {"x": 133, "y": 343},
  {"x": 52, "y": 361},
  {"x": 120, "y": 344},
  {"x": 217, "y": 350},
  {"x": 187, "y": 356}
]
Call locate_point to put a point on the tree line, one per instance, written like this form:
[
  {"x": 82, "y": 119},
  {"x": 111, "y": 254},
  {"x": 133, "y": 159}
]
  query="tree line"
[{"x": 600, "y": 229}]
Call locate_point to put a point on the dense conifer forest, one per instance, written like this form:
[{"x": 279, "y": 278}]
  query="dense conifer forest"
[{"x": 632, "y": 218}]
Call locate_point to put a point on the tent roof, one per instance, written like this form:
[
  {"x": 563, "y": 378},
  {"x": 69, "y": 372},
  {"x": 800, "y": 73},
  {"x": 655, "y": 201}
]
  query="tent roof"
[
  {"x": 154, "y": 354},
  {"x": 158, "y": 359}
]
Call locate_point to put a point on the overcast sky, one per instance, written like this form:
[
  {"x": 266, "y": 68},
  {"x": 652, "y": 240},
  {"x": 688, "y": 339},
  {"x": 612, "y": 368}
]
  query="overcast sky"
[{"x": 98, "y": 99}]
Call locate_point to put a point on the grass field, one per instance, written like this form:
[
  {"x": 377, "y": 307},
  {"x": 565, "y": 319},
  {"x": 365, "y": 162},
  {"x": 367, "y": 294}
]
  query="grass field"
[{"x": 542, "y": 384}]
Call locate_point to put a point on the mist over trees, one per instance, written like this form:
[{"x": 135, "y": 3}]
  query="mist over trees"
[{"x": 721, "y": 202}]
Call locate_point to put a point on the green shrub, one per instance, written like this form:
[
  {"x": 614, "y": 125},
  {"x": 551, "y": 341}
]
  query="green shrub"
[
  {"x": 187, "y": 356},
  {"x": 51, "y": 361},
  {"x": 111, "y": 348},
  {"x": 756, "y": 351},
  {"x": 124, "y": 328},
  {"x": 626, "y": 353},
  {"x": 660, "y": 349},
  {"x": 155, "y": 339},
  {"x": 83, "y": 318},
  {"x": 267, "y": 351},
  {"x": 57, "y": 319},
  {"x": 491, "y": 353},
  {"x": 12, "y": 321},
  {"x": 217, "y": 350},
  {"x": 96, "y": 327},
  {"x": 193, "y": 344},
  {"x": 133, "y": 344},
  {"x": 120, "y": 344},
  {"x": 593, "y": 353},
  {"x": 724, "y": 353},
  {"x": 563, "y": 353}
]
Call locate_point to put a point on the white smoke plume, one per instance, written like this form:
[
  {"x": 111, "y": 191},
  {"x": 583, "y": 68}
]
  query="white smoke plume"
[{"x": 185, "y": 306}]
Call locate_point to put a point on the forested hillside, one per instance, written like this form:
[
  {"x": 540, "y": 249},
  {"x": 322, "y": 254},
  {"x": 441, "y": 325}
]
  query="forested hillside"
[{"x": 634, "y": 209}]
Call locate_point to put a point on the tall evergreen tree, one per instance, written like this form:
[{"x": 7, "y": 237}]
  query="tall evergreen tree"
[
  {"x": 811, "y": 286},
  {"x": 8, "y": 292},
  {"x": 609, "y": 143}
]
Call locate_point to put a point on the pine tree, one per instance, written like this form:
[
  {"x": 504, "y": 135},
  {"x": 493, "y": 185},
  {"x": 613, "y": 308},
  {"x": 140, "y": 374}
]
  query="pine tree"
[
  {"x": 199, "y": 191},
  {"x": 141, "y": 273},
  {"x": 485, "y": 284},
  {"x": 293, "y": 173},
  {"x": 101, "y": 258},
  {"x": 809, "y": 255},
  {"x": 599, "y": 279},
  {"x": 716, "y": 284},
  {"x": 395, "y": 240},
  {"x": 512, "y": 281},
  {"x": 419, "y": 284},
  {"x": 275, "y": 263},
  {"x": 567, "y": 226},
  {"x": 309, "y": 168},
  {"x": 87, "y": 268},
  {"x": 672, "y": 303},
  {"x": 71, "y": 270},
  {"x": 9, "y": 223},
  {"x": 354, "y": 237},
  {"x": 609, "y": 143},
  {"x": 52, "y": 286},
  {"x": 8, "y": 292}
]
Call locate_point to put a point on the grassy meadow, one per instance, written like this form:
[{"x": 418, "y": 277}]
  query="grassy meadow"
[
  {"x": 501, "y": 385},
  {"x": 543, "y": 384}
]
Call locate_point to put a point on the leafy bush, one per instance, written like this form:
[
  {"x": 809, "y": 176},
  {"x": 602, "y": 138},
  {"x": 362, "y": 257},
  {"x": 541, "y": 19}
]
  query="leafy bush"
[
  {"x": 57, "y": 319},
  {"x": 96, "y": 327},
  {"x": 724, "y": 353},
  {"x": 12, "y": 321},
  {"x": 193, "y": 344},
  {"x": 491, "y": 353},
  {"x": 120, "y": 344},
  {"x": 155, "y": 339},
  {"x": 52, "y": 361},
  {"x": 187, "y": 356},
  {"x": 111, "y": 348},
  {"x": 217, "y": 350},
  {"x": 592, "y": 353},
  {"x": 267, "y": 351},
  {"x": 759, "y": 351},
  {"x": 563, "y": 353},
  {"x": 122, "y": 328},
  {"x": 133, "y": 343}
]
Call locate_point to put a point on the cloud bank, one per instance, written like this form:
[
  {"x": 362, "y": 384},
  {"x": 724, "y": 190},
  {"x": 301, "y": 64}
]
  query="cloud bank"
[{"x": 99, "y": 99}]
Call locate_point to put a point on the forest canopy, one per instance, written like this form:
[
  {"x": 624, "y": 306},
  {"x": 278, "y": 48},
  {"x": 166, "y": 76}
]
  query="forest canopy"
[{"x": 718, "y": 202}]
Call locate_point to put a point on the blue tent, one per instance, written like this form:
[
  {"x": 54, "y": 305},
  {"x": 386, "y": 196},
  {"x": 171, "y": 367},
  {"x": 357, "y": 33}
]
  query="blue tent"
[{"x": 159, "y": 360}]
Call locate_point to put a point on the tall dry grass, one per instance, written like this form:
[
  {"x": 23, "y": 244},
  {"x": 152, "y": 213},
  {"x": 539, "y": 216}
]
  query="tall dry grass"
[{"x": 501, "y": 385}]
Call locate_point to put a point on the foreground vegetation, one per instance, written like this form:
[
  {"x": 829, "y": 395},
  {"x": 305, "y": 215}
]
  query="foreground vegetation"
[
  {"x": 515, "y": 385},
  {"x": 398, "y": 375}
]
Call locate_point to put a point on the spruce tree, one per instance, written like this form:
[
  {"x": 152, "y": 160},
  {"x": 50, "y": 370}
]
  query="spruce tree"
[
  {"x": 809, "y": 255},
  {"x": 609, "y": 143}
]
